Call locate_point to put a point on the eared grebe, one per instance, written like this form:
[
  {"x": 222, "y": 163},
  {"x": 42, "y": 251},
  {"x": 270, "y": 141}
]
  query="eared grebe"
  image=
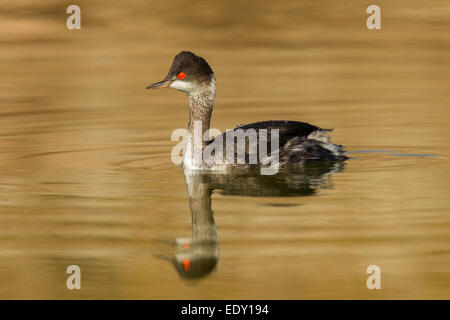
[{"x": 297, "y": 142}]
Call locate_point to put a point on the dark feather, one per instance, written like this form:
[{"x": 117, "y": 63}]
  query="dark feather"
[{"x": 294, "y": 144}]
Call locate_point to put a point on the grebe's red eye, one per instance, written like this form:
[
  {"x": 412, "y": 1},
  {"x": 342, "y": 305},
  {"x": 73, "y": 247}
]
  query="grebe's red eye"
[{"x": 181, "y": 76}]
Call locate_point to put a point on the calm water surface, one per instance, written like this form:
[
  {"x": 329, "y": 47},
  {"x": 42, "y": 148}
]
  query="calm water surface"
[{"x": 86, "y": 176}]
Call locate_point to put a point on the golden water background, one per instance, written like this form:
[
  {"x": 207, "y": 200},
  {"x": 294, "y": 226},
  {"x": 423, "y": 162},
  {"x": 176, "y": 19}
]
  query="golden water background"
[{"x": 85, "y": 171}]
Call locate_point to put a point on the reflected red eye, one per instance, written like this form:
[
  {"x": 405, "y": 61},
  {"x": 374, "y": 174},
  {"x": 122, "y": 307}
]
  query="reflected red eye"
[
  {"x": 181, "y": 76},
  {"x": 186, "y": 264}
]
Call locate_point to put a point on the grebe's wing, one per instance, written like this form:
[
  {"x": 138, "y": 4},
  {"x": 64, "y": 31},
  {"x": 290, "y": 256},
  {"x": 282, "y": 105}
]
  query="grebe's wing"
[
  {"x": 287, "y": 129},
  {"x": 298, "y": 141}
]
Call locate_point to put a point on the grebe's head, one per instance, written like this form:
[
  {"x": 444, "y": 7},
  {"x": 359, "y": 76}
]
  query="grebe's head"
[{"x": 189, "y": 73}]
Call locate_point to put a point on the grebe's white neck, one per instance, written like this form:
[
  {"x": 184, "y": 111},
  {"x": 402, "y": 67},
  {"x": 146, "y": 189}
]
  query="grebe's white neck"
[{"x": 201, "y": 101}]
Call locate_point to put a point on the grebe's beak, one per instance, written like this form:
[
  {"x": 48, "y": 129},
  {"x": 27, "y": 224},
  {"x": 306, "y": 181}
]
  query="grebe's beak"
[{"x": 161, "y": 84}]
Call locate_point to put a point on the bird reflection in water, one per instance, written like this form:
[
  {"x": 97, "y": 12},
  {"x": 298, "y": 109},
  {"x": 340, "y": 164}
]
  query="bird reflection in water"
[{"x": 199, "y": 254}]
